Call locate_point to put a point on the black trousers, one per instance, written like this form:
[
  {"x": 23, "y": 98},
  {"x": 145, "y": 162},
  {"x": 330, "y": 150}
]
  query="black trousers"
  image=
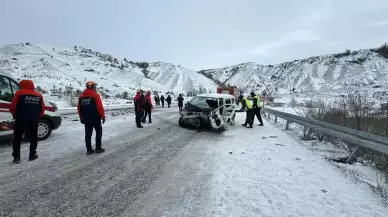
[
  {"x": 249, "y": 117},
  {"x": 169, "y": 103},
  {"x": 147, "y": 112},
  {"x": 88, "y": 135},
  {"x": 257, "y": 112},
  {"x": 162, "y": 103},
  {"x": 180, "y": 106},
  {"x": 20, "y": 127},
  {"x": 139, "y": 117}
]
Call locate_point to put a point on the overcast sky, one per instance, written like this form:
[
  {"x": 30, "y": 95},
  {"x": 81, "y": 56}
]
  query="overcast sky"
[{"x": 199, "y": 34}]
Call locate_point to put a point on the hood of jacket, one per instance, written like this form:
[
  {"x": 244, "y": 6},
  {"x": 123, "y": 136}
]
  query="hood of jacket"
[{"x": 26, "y": 85}]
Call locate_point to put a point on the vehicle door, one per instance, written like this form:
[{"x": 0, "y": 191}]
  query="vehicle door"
[
  {"x": 8, "y": 87},
  {"x": 228, "y": 109}
]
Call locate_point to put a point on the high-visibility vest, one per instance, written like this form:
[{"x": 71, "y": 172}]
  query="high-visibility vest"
[
  {"x": 258, "y": 100},
  {"x": 247, "y": 104}
]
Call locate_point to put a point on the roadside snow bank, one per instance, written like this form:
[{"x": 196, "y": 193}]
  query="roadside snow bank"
[{"x": 265, "y": 172}]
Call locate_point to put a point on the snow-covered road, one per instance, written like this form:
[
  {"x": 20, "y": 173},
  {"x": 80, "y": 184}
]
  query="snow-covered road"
[{"x": 164, "y": 170}]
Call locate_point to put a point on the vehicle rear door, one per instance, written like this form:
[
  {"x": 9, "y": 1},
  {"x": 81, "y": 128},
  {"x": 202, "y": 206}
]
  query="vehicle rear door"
[
  {"x": 8, "y": 87},
  {"x": 228, "y": 109}
]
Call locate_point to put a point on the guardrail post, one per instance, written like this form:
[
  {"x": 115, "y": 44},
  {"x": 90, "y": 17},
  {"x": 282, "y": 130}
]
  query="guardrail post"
[
  {"x": 353, "y": 155},
  {"x": 307, "y": 133},
  {"x": 276, "y": 119},
  {"x": 288, "y": 125}
]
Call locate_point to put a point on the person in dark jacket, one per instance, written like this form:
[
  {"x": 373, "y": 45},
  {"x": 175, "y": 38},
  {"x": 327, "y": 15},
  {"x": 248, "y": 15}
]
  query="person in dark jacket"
[
  {"x": 256, "y": 109},
  {"x": 26, "y": 107},
  {"x": 156, "y": 99},
  {"x": 147, "y": 107},
  {"x": 168, "y": 100},
  {"x": 139, "y": 110},
  {"x": 247, "y": 107},
  {"x": 91, "y": 113},
  {"x": 180, "y": 102},
  {"x": 162, "y": 100}
]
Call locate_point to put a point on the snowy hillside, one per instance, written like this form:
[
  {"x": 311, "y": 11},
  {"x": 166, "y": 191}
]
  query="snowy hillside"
[
  {"x": 58, "y": 66},
  {"x": 351, "y": 69}
]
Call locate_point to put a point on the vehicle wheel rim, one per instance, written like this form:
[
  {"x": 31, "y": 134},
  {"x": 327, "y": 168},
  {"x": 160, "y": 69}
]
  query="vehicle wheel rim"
[{"x": 42, "y": 130}]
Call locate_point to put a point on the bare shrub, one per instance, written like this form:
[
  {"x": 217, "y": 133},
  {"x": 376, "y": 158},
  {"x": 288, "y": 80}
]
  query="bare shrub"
[{"x": 353, "y": 110}]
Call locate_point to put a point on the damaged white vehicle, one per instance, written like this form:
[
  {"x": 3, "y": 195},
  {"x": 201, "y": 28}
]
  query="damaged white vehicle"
[{"x": 209, "y": 110}]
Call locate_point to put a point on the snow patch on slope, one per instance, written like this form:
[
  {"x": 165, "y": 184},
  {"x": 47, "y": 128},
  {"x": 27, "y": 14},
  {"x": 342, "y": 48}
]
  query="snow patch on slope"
[{"x": 59, "y": 66}]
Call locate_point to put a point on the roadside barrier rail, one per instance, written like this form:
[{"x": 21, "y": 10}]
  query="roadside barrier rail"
[{"x": 355, "y": 137}]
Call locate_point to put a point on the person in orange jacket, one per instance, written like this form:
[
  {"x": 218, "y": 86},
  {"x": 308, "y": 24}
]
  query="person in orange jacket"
[
  {"x": 147, "y": 105},
  {"x": 91, "y": 113},
  {"x": 27, "y": 107}
]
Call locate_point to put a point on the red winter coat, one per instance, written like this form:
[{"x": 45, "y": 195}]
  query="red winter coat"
[{"x": 148, "y": 98}]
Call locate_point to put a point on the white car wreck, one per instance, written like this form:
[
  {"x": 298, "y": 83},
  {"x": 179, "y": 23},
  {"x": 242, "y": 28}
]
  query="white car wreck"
[{"x": 209, "y": 111}]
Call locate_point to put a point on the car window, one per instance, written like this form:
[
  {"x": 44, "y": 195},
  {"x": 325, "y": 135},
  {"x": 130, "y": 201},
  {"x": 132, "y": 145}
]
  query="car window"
[
  {"x": 221, "y": 102},
  {"x": 14, "y": 86},
  {"x": 204, "y": 102},
  {"x": 5, "y": 89},
  {"x": 228, "y": 101}
]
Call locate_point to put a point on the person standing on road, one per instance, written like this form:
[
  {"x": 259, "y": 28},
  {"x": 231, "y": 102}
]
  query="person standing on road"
[
  {"x": 139, "y": 110},
  {"x": 156, "y": 99},
  {"x": 91, "y": 113},
  {"x": 162, "y": 99},
  {"x": 147, "y": 107},
  {"x": 247, "y": 107},
  {"x": 168, "y": 100},
  {"x": 256, "y": 109},
  {"x": 180, "y": 102},
  {"x": 27, "y": 106}
]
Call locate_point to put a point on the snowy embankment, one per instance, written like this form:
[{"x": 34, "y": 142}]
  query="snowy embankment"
[{"x": 266, "y": 172}]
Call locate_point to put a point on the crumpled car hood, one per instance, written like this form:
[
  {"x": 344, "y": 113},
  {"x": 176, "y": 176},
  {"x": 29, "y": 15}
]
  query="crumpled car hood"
[{"x": 193, "y": 108}]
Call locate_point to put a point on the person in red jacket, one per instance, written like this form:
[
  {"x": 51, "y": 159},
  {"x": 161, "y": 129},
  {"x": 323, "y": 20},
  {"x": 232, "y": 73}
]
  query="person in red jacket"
[
  {"x": 27, "y": 107},
  {"x": 139, "y": 110},
  {"x": 147, "y": 107},
  {"x": 91, "y": 113}
]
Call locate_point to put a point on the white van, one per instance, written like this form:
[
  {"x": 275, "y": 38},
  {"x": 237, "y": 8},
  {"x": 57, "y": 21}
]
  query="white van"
[
  {"x": 50, "y": 121},
  {"x": 215, "y": 110}
]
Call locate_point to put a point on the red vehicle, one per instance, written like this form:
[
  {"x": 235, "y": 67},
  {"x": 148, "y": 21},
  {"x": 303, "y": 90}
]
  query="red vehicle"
[{"x": 232, "y": 90}]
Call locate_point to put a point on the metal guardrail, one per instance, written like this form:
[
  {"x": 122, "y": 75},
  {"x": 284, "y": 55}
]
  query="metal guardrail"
[
  {"x": 356, "y": 137},
  {"x": 73, "y": 110}
]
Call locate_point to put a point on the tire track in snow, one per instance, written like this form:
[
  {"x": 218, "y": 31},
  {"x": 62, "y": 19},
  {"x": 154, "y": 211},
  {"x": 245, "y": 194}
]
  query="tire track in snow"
[{"x": 105, "y": 184}]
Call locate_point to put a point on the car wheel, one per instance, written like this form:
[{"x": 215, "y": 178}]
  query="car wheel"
[
  {"x": 181, "y": 122},
  {"x": 44, "y": 129}
]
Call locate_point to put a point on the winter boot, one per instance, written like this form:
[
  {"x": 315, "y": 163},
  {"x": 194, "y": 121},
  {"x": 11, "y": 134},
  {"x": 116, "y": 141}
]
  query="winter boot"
[
  {"x": 261, "y": 124},
  {"x": 250, "y": 126},
  {"x": 100, "y": 150},
  {"x": 139, "y": 126},
  {"x": 90, "y": 152},
  {"x": 16, "y": 160},
  {"x": 244, "y": 125},
  {"x": 150, "y": 122},
  {"x": 33, "y": 157}
]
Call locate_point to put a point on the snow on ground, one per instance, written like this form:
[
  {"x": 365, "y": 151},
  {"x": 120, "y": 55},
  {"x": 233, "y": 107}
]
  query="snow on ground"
[
  {"x": 265, "y": 172},
  {"x": 165, "y": 170}
]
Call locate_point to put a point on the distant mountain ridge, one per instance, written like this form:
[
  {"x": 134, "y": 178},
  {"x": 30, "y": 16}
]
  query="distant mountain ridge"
[
  {"x": 59, "y": 66},
  {"x": 362, "y": 68}
]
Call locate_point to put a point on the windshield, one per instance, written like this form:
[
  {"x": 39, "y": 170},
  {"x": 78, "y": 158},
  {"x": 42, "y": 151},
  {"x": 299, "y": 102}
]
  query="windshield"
[{"x": 204, "y": 102}]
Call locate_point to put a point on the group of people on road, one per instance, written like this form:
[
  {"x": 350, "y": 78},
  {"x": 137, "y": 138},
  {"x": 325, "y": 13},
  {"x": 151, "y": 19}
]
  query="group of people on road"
[
  {"x": 27, "y": 107},
  {"x": 252, "y": 109},
  {"x": 162, "y": 99},
  {"x": 143, "y": 107}
]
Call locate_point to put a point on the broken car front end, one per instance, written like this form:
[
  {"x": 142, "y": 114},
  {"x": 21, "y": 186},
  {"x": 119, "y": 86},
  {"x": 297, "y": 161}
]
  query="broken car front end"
[{"x": 200, "y": 117}]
